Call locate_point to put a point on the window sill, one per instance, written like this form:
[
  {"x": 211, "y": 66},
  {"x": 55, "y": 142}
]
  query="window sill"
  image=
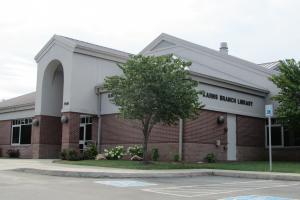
[
  {"x": 284, "y": 147},
  {"x": 20, "y": 145}
]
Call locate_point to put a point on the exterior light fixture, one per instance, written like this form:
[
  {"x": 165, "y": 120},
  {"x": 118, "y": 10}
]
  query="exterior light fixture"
[
  {"x": 64, "y": 119},
  {"x": 220, "y": 119},
  {"x": 218, "y": 143},
  {"x": 35, "y": 122}
]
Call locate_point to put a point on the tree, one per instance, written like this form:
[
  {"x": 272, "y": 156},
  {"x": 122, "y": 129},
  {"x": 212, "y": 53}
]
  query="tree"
[
  {"x": 154, "y": 90},
  {"x": 288, "y": 81}
]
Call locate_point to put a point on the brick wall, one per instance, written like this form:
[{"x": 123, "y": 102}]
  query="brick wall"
[
  {"x": 250, "y": 131},
  {"x": 115, "y": 130},
  {"x": 46, "y": 138},
  {"x": 70, "y": 131},
  {"x": 250, "y": 138},
  {"x": 201, "y": 134}
]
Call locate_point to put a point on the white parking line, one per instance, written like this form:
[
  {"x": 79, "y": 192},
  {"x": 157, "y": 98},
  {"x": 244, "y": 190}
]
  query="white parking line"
[{"x": 217, "y": 189}]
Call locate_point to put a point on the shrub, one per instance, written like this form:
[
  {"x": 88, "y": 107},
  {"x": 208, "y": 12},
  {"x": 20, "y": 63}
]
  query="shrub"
[
  {"x": 13, "y": 153},
  {"x": 176, "y": 158},
  {"x": 70, "y": 154},
  {"x": 210, "y": 158},
  {"x": 114, "y": 153},
  {"x": 136, "y": 150},
  {"x": 90, "y": 152},
  {"x": 63, "y": 154},
  {"x": 155, "y": 154}
]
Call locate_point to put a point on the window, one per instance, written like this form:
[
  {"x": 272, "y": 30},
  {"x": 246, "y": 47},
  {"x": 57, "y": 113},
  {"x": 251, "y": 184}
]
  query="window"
[
  {"x": 281, "y": 135},
  {"x": 21, "y": 131},
  {"x": 85, "y": 132},
  {"x": 276, "y": 135}
]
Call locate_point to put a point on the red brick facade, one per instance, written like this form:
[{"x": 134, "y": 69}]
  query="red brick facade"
[
  {"x": 46, "y": 138},
  {"x": 250, "y": 138},
  {"x": 70, "y": 131},
  {"x": 200, "y": 136}
]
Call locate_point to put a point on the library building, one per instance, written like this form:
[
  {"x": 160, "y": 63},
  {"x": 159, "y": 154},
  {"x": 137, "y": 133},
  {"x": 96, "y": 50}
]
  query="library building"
[{"x": 70, "y": 110}]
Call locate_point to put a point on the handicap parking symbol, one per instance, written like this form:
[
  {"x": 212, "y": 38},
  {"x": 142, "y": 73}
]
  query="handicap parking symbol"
[{"x": 255, "y": 197}]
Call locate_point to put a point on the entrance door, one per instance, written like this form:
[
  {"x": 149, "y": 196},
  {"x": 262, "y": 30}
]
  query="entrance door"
[
  {"x": 82, "y": 137},
  {"x": 231, "y": 137},
  {"x": 85, "y": 132}
]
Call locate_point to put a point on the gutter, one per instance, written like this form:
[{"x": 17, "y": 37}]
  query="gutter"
[{"x": 99, "y": 90}]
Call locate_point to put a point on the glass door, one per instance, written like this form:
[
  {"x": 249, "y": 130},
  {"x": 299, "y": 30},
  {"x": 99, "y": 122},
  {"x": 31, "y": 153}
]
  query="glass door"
[{"x": 82, "y": 137}]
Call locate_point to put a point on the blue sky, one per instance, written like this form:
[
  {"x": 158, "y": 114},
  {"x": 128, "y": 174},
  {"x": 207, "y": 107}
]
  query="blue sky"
[{"x": 256, "y": 30}]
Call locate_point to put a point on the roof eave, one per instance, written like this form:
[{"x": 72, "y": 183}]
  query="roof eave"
[
  {"x": 30, "y": 106},
  {"x": 244, "y": 88}
]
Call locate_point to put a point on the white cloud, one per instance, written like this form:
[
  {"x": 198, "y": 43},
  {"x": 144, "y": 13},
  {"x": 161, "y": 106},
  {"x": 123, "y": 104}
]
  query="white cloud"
[{"x": 257, "y": 30}]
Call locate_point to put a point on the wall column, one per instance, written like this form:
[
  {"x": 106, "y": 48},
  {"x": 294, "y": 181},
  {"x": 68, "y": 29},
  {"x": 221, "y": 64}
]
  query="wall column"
[
  {"x": 46, "y": 137},
  {"x": 70, "y": 131}
]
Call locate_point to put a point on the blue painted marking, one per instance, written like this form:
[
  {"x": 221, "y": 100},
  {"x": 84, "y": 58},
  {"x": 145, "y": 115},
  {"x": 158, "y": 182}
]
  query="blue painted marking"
[
  {"x": 255, "y": 197},
  {"x": 125, "y": 183}
]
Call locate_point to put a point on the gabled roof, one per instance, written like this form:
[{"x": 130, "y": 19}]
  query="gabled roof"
[
  {"x": 24, "y": 102},
  {"x": 270, "y": 65},
  {"x": 210, "y": 52},
  {"x": 85, "y": 48}
]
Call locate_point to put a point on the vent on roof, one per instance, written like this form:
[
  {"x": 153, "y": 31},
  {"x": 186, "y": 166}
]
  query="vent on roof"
[{"x": 224, "y": 48}]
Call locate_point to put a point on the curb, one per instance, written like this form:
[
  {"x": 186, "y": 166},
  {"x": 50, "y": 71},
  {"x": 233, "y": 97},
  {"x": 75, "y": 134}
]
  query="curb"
[
  {"x": 111, "y": 175},
  {"x": 253, "y": 175},
  {"x": 233, "y": 174}
]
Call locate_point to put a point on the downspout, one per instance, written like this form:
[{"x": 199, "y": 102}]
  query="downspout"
[
  {"x": 180, "y": 139},
  {"x": 99, "y": 120}
]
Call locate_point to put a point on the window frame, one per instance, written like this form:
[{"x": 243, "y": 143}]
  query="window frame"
[
  {"x": 19, "y": 123},
  {"x": 12, "y": 135},
  {"x": 84, "y": 121}
]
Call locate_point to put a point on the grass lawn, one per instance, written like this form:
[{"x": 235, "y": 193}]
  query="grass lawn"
[{"x": 292, "y": 167}]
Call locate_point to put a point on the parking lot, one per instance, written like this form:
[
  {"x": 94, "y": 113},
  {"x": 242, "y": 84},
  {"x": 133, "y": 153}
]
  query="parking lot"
[{"x": 14, "y": 185}]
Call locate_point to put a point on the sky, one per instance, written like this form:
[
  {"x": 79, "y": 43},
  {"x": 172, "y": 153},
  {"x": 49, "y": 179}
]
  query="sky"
[{"x": 255, "y": 30}]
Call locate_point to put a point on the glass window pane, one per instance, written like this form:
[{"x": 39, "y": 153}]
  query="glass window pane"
[
  {"x": 81, "y": 146},
  {"x": 15, "y": 136},
  {"x": 88, "y": 133},
  {"x": 291, "y": 137},
  {"x": 276, "y": 136},
  {"x": 26, "y": 134},
  {"x": 81, "y": 132}
]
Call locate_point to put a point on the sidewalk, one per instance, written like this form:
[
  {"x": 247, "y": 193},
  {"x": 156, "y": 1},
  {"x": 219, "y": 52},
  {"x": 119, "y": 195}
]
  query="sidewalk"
[{"x": 47, "y": 167}]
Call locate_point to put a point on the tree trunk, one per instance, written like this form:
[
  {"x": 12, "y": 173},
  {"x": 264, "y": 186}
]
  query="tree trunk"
[
  {"x": 147, "y": 127},
  {"x": 145, "y": 148}
]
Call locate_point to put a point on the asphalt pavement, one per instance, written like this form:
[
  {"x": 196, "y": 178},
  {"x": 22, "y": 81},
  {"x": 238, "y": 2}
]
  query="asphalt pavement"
[{"x": 24, "y": 186}]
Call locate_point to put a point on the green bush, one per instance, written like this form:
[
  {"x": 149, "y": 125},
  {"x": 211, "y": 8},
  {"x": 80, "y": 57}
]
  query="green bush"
[
  {"x": 63, "y": 154},
  {"x": 176, "y": 158},
  {"x": 13, "y": 153},
  {"x": 70, "y": 154},
  {"x": 136, "y": 150},
  {"x": 155, "y": 154},
  {"x": 210, "y": 158},
  {"x": 90, "y": 152},
  {"x": 114, "y": 153}
]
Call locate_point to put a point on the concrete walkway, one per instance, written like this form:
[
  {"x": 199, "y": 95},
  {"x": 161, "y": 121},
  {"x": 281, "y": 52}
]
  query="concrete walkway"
[{"x": 47, "y": 167}]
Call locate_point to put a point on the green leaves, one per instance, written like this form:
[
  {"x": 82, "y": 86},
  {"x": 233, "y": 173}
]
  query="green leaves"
[
  {"x": 288, "y": 81},
  {"x": 154, "y": 89}
]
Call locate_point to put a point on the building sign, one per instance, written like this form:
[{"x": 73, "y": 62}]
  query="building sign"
[
  {"x": 228, "y": 99},
  {"x": 231, "y": 101}
]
